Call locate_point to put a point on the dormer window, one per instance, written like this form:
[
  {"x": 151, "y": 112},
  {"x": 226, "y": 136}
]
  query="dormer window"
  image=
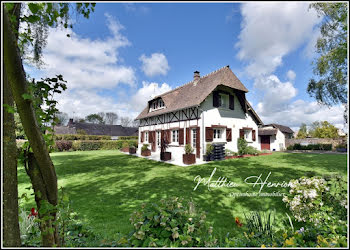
[{"x": 156, "y": 104}]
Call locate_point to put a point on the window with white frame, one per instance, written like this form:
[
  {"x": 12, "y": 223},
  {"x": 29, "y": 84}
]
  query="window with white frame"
[
  {"x": 158, "y": 138},
  {"x": 175, "y": 134},
  {"x": 194, "y": 138},
  {"x": 223, "y": 100},
  {"x": 218, "y": 133}
]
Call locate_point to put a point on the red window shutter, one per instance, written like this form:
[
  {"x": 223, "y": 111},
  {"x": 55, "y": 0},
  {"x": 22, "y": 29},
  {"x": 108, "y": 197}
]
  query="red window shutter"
[
  {"x": 209, "y": 134},
  {"x": 253, "y": 135},
  {"x": 188, "y": 136},
  {"x": 167, "y": 136},
  {"x": 231, "y": 102},
  {"x": 228, "y": 134},
  {"x": 162, "y": 136},
  {"x": 181, "y": 136},
  {"x": 198, "y": 143},
  {"x": 216, "y": 100},
  {"x": 142, "y": 134},
  {"x": 241, "y": 133}
]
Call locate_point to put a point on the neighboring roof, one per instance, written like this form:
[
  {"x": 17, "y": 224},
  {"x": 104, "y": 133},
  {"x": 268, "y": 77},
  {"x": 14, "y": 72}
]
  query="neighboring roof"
[
  {"x": 282, "y": 128},
  {"x": 262, "y": 131},
  {"x": 97, "y": 129},
  {"x": 194, "y": 93}
]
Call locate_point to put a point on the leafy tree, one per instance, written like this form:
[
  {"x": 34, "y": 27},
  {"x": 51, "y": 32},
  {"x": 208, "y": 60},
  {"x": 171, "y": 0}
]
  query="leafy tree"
[
  {"x": 302, "y": 133},
  {"x": 18, "y": 45},
  {"x": 111, "y": 118},
  {"x": 62, "y": 118},
  {"x": 330, "y": 67},
  {"x": 324, "y": 130},
  {"x": 94, "y": 118}
]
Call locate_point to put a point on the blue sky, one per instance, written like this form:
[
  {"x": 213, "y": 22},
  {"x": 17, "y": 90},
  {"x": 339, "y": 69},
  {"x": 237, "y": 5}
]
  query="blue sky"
[{"x": 124, "y": 53}]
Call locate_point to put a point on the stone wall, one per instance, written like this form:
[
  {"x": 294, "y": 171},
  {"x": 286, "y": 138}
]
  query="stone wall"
[{"x": 308, "y": 141}]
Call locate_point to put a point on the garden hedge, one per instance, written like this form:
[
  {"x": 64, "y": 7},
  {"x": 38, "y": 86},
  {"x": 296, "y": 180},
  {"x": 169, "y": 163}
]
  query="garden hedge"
[
  {"x": 73, "y": 137},
  {"x": 298, "y": 146},
  {"x": 85, "y": 145},
  {"x": 128, "y": 137}
]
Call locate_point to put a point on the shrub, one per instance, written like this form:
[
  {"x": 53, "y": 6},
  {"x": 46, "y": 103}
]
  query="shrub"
[
  {"x": 63, "y": 145},
  {"x": 188, "y": 149},
  {"x": 144, "y": 147},
  {"x": 210, "y": 149},
  {"x": 128, "y": 138},
  {"x": 171, "y": 223},
  {"x": 81, "y": 137},
  {"x": 342, "y": 145},
  {"x": 242, "y": 145},
  {"x": 100, "y": 144},
  {"x": 125, "y": 144},
  {"x": 81, "y": 132},
  {"x": 251, "y": 151}
]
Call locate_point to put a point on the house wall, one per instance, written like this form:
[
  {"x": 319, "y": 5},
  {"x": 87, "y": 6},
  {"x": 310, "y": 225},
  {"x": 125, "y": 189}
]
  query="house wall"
[
  {"x": 277, "y": 142},
  {"x": 235, "y": 119}
]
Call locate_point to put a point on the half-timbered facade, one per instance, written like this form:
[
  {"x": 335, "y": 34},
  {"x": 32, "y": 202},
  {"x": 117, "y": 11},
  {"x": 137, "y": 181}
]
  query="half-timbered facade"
[{"x": 209, "y": 109}]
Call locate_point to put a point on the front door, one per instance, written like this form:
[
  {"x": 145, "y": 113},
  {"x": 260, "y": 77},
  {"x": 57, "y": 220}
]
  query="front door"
[{"x": 265, "y": 142}]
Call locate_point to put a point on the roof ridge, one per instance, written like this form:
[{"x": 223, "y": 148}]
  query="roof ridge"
[{"x": 185, "y": 84}]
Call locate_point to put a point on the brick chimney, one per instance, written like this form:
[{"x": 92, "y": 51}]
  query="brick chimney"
[
  {"x": 70, "y": 122},
  {"x": 196, "y": 76}
]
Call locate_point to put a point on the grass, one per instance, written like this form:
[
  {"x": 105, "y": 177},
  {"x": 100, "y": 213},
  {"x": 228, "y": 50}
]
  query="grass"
[{"x": 107, "y": 186}]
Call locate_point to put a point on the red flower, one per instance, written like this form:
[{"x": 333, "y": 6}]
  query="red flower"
[
  {"x": 33, "y": 212},
  {"x": 238, "y": 222}
]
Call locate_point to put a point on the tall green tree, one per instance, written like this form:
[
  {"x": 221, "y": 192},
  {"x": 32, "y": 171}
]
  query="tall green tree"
[
  {"x": 302, "y": 133},
  {"x": 17, "y": 43},
  {"x": 330, "y": 67},
  {"x": 324, "y": 129},
  {"x": 94, "y": 118}
]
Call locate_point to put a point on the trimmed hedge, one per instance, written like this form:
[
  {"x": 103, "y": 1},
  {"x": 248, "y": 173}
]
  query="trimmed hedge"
[
  {"x": 298, "y": 146},
  {"x": 85, "y": 145},
  {"x": 128, "y": 138},
  {"x": 73, "y": 137}
]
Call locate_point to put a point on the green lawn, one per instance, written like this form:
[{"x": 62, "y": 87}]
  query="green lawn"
[{"x": 107, "y": 186}]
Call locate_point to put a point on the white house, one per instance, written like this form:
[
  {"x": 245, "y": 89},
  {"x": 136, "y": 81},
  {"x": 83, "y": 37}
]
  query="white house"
[
  {"x": 209, "y": 109},
  {"x": 273, "y": 136}
]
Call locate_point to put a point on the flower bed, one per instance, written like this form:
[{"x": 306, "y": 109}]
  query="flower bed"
[{"x": 244, "y": 156}]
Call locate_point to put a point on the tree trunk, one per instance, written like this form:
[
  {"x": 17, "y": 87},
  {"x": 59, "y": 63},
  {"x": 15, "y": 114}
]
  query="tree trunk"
[
  {"x": 18, "y": 85},
  {"x": 10, "y": 196}
]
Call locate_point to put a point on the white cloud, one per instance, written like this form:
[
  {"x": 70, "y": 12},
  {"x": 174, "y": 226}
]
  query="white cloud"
[
  {"x": 272, "y": 30},
  {"x": 86, "y": 62},
  {"x": 137, "y": 8},
  {"x": 301, "y": 111},
  {"x": 81, "y": 102},
  {"x": 291, "y": 75},
  {"x": 156, "y": 64}
]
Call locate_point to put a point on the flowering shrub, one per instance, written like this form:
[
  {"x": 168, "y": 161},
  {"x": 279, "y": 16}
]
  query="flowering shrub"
[
  {"x": 172, "y": 223},
  {"x": 305, "y": 197}
]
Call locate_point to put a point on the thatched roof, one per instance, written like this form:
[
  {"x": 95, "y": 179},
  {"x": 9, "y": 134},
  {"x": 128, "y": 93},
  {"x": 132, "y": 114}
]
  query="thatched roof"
[
  {"x": 282, "y": 128},
  {"x": 194, "y": 93}
]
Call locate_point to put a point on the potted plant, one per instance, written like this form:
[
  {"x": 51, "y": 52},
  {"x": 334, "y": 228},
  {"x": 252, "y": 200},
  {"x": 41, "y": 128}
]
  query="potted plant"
[
  {"x": 209, "y": 156},
  {"x": 145, "y": 151},
  {"x": 125, "y": 147},
  {"x": 132, "y": 149},
  {"x": 188, "y": 157},
  {"x": 164, "y": 156}
]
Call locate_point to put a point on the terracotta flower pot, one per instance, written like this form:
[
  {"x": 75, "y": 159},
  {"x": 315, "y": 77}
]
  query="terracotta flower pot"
[
  {"x": 132, "y": 150},
  {"x": 146, "y": 152},
  {"x": 189, "y": 158},
  {"x": 165, "y": 156}
]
